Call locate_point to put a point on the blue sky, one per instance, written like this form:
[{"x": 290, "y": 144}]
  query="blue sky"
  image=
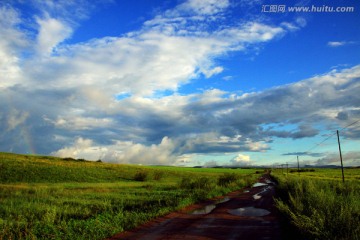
[{"x": 197, "y": 82}]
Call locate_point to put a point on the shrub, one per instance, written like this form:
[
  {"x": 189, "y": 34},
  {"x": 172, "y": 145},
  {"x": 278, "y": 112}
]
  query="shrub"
[
  {"x": 158, "y": 175},
  {"x": 185, "y": 183},
  {"x": 141, "y": 176},
  {"x": 227, "y": 178},
  {"x": 197, "y": 183},
  {"x": 203, "y": 183},
  {"x": 302, "y": 170}
]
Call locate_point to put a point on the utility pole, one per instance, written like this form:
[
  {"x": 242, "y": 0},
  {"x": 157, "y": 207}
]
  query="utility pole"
[
  {"x": 287, "y": 169},
  {"x": 298, "y": 165},
  {"x": 342, "y": 167}
]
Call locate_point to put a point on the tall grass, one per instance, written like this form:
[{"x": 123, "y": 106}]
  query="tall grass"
[
  {"x": 51, "y": 198},
  {"x": 76, "y": 212},
  {"x": 320, "y": 208}
]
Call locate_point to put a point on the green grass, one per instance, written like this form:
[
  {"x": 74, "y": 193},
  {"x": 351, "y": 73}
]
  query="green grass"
[
  {"x": 50, "y": 198},
  {"x": 319, "y": 204},
  {"x": 329, "y": 173}
]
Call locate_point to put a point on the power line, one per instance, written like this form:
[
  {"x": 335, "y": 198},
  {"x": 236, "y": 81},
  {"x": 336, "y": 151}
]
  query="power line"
[
  {"x": 350, "y": 124},
  {"x": 318, "y": 144},
  {"x": 330, "y": 136}
]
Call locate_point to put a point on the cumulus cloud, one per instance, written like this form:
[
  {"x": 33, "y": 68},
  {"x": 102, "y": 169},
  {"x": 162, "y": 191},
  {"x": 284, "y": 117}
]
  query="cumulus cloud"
[
  {"x": 134, "y": 129},
  {"x": 121, "y": 152},
  {"x": 116, "y": 98},
  {"x": 241, "y": 160},
  {"x": 51, "y": 33},
  {"x": 142, "y": 63},
  {"x": 12, "y": 42},
  {"x": 162, "y": 55},
  {"x": 82, "y": 148}
]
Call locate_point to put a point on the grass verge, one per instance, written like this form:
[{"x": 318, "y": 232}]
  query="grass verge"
[{"x": 320, "y": 208}]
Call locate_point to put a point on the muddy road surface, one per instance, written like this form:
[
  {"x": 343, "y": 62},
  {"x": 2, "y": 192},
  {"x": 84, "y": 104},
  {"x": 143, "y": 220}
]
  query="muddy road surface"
[{"x": 245, "y": 214}]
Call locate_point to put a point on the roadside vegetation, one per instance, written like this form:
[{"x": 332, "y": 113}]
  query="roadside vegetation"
[
  {"x": 319, "y": 204},
  {"x": 51, "y": 198}
]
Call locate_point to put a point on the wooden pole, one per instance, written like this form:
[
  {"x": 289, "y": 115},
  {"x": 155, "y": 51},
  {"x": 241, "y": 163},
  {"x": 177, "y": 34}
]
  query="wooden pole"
[
  {"x": 287, "y": 169},
  {"x": 342, "y": 167},
  {"x": 298, "y": 165}
]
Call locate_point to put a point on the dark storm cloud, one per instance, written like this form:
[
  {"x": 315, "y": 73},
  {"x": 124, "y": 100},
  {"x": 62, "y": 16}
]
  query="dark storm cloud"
[
  {"x": 304, "y": 154},
  {"x": 303, "y": 131},
  {"x": 207, "y": 122},
  {"x": 349, "y": 159}
]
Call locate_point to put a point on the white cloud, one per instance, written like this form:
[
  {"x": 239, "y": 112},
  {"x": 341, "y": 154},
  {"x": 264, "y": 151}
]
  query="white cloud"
[
  {"x": 228, "y": 78},
  {"x": 301, "y": 21},
  {"x": 241, "y": 160},
  {"x": 211, "y": 72},
  {"x": 134, "y": 129},
  {"x": 256, "y": 146},
  {"x": 12, "y": 41},
  {"x": 82, "y": 148},
  {"x": 71, "y": 90},
  {"x": 203, "y": 7},
  {"x": 203, "y": 123},
  {"x": 122, "y": 152},
  {"x": 82, "y": 123},
  {"x": 249, "y": 33},
  {"x": 162, "y": 55},
  {"x": 51, "y": 33},
  {"x": 16, "y": 118},
  {"x": 71, "y": 10},
  {"x": 340, "y": 43}
]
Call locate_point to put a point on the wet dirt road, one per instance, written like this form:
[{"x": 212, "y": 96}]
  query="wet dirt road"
[{"x": 245, "y": 214}]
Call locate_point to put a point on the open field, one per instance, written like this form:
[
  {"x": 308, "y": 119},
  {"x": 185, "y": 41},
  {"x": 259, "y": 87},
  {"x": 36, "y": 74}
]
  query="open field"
[
  {"x": 324, "y": 173},
  {"x": 51, "y": 198},
  {"x": 319, "y": 204}
]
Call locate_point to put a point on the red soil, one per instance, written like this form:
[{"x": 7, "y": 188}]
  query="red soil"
[{"x": 218, "y": 224}]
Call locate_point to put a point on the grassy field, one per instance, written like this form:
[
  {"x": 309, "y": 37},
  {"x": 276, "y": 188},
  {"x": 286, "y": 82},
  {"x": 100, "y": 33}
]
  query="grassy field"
[
  {"x": 319, "y": 204},
  {"x": 50, "y": 198}
]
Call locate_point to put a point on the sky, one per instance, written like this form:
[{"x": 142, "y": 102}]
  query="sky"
[{"x": 181, "y": 82}]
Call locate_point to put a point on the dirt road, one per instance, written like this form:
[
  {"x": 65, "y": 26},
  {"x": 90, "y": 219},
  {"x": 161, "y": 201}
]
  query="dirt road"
[{"x": 245, "y": 214}]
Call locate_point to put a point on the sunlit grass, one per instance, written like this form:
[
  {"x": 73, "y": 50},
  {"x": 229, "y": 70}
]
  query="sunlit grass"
[
  {"x": 50, "y": 198},
  {"x": 319, "y": 204}
]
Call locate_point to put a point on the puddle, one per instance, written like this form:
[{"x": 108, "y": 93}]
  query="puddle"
[
  {"x": 269, "y": 182},
  {"x": 249, "y": 212},
  {"x": 225, "y": 199},
  {"x": 207, "y": 209},
  {"x": 259, "y": 184},
  {"x": 259, "y": 194},
  {"x": 256, "y": 196}
]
